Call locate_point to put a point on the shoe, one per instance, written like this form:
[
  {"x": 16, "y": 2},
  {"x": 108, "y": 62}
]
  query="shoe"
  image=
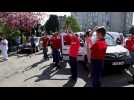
[
  {"x": 131, "y": 82},
  {"x": 5, "y": 59},
  {"x": 58, "y": 67},
  {"x": 72, "y": 79}
]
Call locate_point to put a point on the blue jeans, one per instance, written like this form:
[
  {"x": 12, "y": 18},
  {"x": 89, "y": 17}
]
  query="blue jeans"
[{"x": 96, "y": 72}]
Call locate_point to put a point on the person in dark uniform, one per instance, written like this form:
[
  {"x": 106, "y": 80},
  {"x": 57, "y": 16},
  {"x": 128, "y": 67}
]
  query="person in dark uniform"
[{"x": 98, "y": 51}]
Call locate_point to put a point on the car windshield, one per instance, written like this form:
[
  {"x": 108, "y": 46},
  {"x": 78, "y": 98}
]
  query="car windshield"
[{"x": 109, "y": 39}]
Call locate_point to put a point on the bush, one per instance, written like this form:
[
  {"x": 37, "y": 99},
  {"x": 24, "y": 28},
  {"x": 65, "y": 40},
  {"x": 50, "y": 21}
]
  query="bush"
[{"x": 24, "y": 40}]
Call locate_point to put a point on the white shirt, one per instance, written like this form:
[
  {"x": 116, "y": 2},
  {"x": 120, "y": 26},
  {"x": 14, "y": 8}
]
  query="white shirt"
[{"x": 4, "y": 44}]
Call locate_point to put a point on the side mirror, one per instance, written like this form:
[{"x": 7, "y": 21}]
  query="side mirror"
[{"x": 118, "y": 41}]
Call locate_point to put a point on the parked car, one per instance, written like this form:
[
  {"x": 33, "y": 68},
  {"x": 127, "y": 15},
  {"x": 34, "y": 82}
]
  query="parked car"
[
  {"x": 117, "y": 56},
  {"x": 27, "y": 46},
  {"x": 118, "y": 37}
]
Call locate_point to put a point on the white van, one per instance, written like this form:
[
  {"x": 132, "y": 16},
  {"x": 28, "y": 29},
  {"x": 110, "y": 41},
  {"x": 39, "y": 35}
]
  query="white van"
[
  {"x": 116, "y": 54},
  {"x": 65, "y": 49}
]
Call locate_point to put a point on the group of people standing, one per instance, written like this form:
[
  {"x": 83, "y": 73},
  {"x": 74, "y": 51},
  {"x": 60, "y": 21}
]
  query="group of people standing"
[
  {"x": 96, "y": 49},
  {"x": 55, "y": 42}
]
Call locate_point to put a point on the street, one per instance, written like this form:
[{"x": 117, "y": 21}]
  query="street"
[{"x": 32, "y": 71}]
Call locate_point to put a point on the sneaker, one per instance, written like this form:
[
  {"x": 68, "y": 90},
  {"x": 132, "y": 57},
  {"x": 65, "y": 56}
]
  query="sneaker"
[{"x": 5, "y": 60}]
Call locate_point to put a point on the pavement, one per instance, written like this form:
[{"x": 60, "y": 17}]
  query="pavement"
[{"x": 32, "y": 71}]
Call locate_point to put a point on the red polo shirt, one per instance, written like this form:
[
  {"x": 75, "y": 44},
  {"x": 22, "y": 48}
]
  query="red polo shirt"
[
  {"x": 74, "y": 47},
  {"x": 45, "y": 41},
  {"x": 98, "y": 50},
  {"x": 56, "y": 42},
  {"x": 67, "y": 39},
  {"x": 130, "y": 44}
]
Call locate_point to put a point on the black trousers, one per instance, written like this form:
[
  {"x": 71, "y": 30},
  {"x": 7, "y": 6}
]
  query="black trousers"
[
  {"x": 56, "y": 56},
  {"x": 73, "y": 65},
  {"x": 96, "y": 72},
  {"x": 45, "y": 50}
]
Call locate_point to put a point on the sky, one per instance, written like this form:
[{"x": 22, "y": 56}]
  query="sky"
[
  {"x": 55, "y": 13},
  {"x": 68, "y": 14},
  {"x": 59, "y": 13}
]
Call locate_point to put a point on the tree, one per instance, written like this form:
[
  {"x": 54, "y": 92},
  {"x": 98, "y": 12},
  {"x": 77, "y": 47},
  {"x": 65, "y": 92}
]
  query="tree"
[
  {"x": 52, "y": 24},
  {"x": 72, "y": 24},
  {"x": 21, "y": 20}
]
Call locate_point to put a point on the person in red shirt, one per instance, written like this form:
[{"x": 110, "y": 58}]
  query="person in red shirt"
[
  {"x": 98, "y": 51},
  {"x": 130, "y": 47},
  {"x": 67, "y": 39},
  {"x": 56, "y": 45},
  {"x": 73, "y": 53},
  {"x": 45, "y": 41}
]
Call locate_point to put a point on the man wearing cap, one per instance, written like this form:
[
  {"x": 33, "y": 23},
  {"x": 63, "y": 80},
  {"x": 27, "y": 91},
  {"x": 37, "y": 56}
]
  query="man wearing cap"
[{"x": 98, "y": 51}]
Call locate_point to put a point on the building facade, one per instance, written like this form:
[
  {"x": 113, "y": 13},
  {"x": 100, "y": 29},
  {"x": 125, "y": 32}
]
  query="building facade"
[
  {"x": 62, "y": 20},
  {"x": 113, "y": 21}
]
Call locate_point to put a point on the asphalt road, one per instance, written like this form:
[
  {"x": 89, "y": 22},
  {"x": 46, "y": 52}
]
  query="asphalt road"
[{"x": 32, "y": 71}]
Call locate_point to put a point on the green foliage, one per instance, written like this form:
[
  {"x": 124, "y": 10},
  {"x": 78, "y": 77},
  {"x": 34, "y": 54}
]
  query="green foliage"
[
  {"x": 9, "y": 32},
  {"x": 71, "y": 23},
  {"x": 24, "y": 40},
  {"x": 52, "y": 24}
]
